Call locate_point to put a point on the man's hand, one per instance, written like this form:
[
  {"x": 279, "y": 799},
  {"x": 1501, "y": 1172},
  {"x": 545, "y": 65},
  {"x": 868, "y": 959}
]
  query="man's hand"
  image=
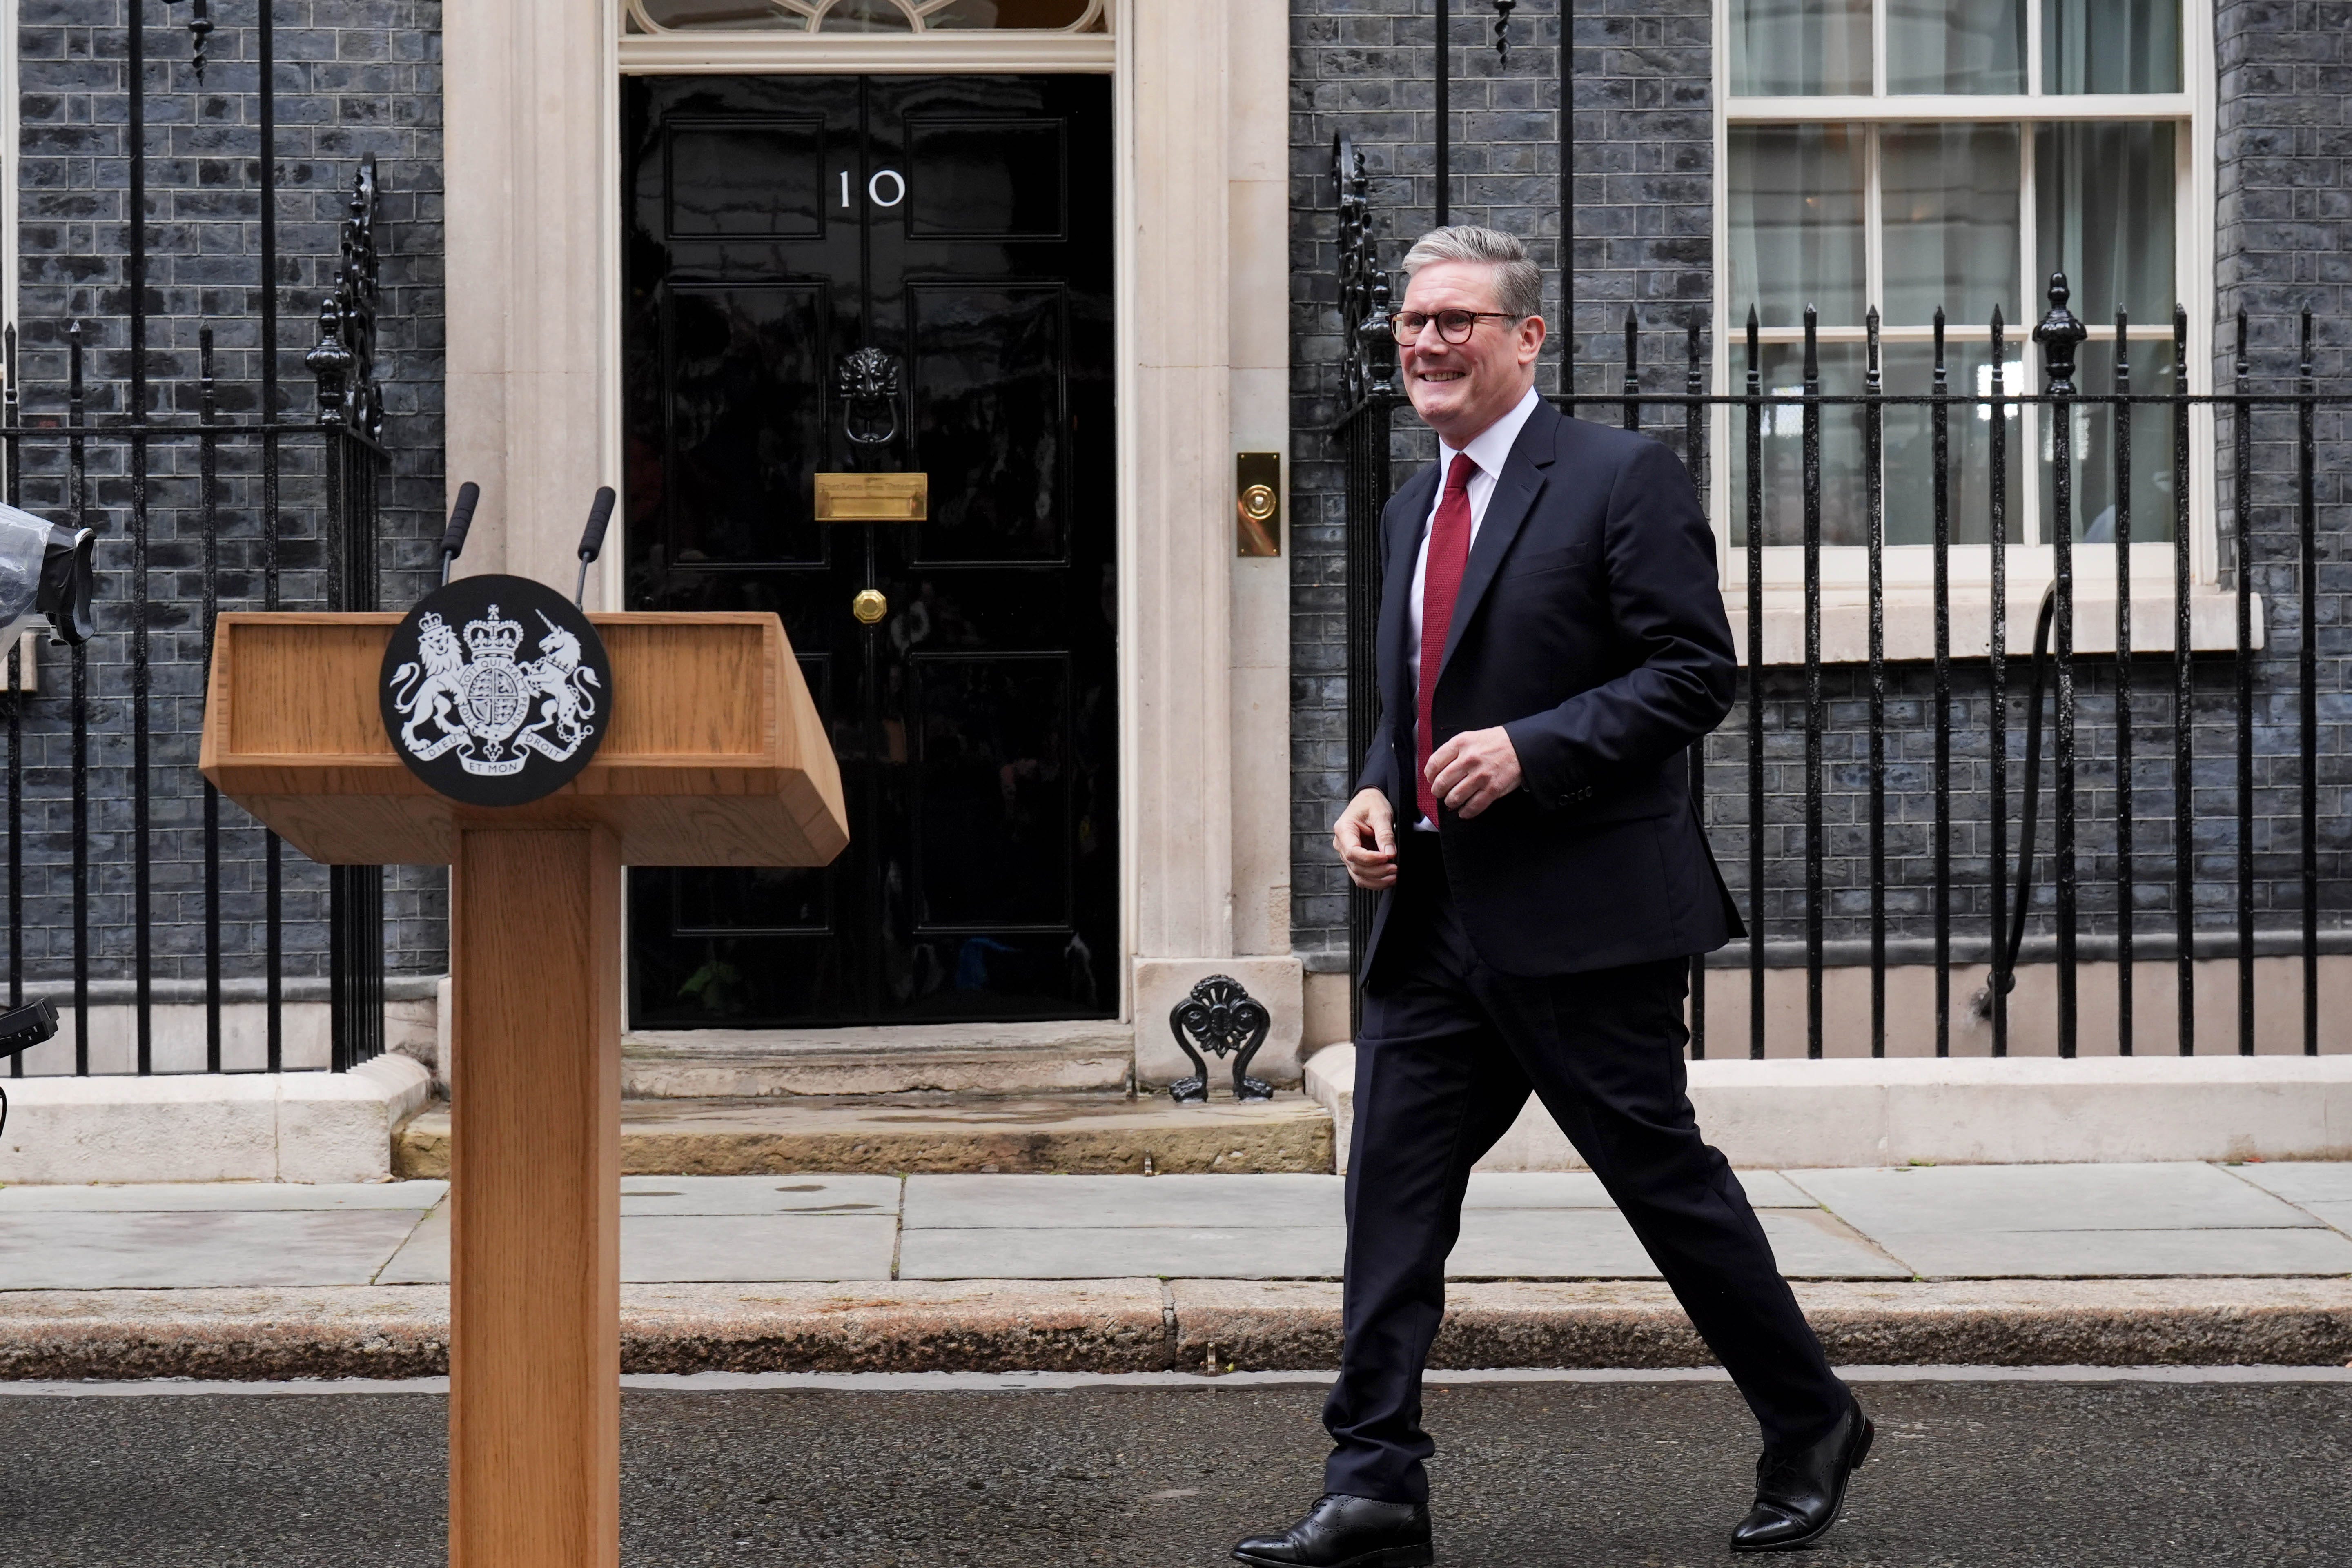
[
  {"x": 1473, "y": 770},
  {"x": 1365, "y": 836}
]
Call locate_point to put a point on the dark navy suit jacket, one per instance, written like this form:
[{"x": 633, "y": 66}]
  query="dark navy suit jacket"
[{"x": 1590, "y": 627}]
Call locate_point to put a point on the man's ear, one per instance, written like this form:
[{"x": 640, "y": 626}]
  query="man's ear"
[{"x": 1532, "y": 332}]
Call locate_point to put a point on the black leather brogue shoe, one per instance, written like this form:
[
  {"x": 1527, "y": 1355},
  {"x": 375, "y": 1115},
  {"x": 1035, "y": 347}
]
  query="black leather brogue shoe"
[
  {"x": 1343, "y": 1532},
  {"x": 1799, "y": 1494}
]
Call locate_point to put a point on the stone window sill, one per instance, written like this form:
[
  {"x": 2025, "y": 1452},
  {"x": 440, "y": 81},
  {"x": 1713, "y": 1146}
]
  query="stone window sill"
[{"x": 1910, "y": 622}]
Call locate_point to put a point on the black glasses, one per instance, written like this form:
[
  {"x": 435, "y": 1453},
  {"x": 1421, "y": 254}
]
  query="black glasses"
[{"x": 1453, "y": 326}]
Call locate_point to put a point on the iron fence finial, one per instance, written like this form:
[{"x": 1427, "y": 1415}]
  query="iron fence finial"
[
  {"x": 1375, "y": 337},
  {"x": 200, "y": 27},
  {"x": 329, "y": 360},
  {"x": 1368, "y": 359},
  {"x": 2060, "y": 333}
]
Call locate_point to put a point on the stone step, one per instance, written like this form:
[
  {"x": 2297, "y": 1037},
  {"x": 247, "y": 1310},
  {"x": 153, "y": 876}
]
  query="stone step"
[
  {"x": 1057, "y": 1058},
  {"x": 1076, "y": 1134}
]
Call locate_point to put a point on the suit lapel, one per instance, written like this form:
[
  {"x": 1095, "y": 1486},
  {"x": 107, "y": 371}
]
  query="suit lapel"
[
  {"x": 1414, "y": 503},
  {"x": 1516, "y": 489}
]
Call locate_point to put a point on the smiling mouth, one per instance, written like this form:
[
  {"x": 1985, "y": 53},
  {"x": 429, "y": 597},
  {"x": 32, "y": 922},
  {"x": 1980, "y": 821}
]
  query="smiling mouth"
[{"x": 1441, "y": 375}]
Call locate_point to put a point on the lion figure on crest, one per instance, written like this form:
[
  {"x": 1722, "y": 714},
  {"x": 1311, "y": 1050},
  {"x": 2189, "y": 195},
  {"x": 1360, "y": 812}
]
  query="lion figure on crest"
[{"x": 433, "y": 699}]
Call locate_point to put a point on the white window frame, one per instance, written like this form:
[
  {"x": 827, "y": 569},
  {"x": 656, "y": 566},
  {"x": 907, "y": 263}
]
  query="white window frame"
[
  {"x": 1908, "y": 569},
  {"x": 654, "y": 51}
]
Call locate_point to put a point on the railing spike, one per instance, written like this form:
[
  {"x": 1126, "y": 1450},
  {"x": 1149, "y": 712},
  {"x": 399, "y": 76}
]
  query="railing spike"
[{"x": 2060, "y": 333}]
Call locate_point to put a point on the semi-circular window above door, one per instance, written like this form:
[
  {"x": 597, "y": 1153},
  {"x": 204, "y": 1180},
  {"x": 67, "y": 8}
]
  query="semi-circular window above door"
[{"x": 837, "y": 17}]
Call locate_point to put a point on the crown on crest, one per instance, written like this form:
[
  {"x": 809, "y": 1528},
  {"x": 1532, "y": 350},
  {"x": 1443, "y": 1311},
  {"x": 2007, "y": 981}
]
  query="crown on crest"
[{"x": 494, "y": 636}]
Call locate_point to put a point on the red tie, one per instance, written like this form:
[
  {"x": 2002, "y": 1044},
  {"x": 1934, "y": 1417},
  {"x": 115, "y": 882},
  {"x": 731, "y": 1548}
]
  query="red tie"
[{"x": 1449, "y": 552}]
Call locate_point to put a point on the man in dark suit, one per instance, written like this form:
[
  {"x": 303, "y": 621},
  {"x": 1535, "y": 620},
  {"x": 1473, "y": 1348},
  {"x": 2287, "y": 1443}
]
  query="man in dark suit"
[{"x": 1552, "y": 644}]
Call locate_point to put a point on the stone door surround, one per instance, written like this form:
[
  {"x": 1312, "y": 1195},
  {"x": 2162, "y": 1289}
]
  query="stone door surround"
[{"x": 531, "y": 106}]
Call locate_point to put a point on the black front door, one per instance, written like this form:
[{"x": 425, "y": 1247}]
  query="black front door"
[{"x": 960, "y": 226}]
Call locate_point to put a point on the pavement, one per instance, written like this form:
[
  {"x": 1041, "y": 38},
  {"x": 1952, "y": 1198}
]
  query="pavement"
[
  {"x": 1971, "y": 1469},
  {"x": 2100, "y": 1264}
]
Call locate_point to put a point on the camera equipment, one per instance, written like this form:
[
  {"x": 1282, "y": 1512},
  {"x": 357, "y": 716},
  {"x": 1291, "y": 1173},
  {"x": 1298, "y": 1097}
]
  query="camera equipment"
[
  {"x": 44, "y": 569},
  {"x": 22, "y": 1028}
]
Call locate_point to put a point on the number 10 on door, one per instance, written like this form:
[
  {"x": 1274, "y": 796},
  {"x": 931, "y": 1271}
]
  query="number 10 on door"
[{"x": 874, "y": 186}]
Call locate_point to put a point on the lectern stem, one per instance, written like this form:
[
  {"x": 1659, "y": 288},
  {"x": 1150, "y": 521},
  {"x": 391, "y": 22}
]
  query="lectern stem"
[{"x": 535, "y": 1168}]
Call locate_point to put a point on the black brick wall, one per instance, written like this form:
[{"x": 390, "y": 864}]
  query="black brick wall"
[
  {"x": 1642, "y": 119},
  {"x": 352, "y": 77}
]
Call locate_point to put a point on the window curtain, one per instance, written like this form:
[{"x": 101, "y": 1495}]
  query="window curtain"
[
  {"x": 1780, "y": 48},
  {"x": 2111, "y": 45},
  {"x": 1956, "y": 46},
  {"x": 2105, "y": 200},
  {"x": 1950, "y": 203},
  {"x": 1796, "y": 203}
]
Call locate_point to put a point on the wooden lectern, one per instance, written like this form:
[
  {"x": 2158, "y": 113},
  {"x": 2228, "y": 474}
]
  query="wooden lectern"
[{"x": 713, "y": 756}]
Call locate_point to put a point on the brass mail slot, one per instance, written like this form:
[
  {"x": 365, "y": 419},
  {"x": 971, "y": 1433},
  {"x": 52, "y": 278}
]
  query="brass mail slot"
[{"x": 873, "y": 498}]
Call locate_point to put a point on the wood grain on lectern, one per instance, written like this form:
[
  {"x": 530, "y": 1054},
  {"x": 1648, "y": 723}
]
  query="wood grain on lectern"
[
  {"x": 535, "y": 1169},
  {"x": 716, "y": 754}
]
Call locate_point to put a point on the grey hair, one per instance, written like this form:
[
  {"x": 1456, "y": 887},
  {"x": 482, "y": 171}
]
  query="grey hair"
[{"x": 1518, "y": 282}]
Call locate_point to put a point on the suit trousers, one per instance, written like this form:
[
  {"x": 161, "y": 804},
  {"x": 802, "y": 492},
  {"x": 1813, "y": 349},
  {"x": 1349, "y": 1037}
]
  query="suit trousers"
[{"x": 1447, "y": 1055}]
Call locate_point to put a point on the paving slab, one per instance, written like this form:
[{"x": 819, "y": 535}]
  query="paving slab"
[
  {"x": 1809, "y": 1244},
  {"x": 689, "y": 1249},
  {"x": 2300, "y": 1182},
  {"x": 2236, "y": 1252},
  {"x": 2337, "y": 1215},
  {"x": 696, "y": 1248},
  {"x": 1547, "y": 1244},
  {"x": 423, "y": 1256},
  {"x": 178, "y": 1250},
  {"x": 1582, "y": 1190},
  {"x": 1065, "y": 1203},
  {"x": 1234, "y": 1253},
  {"x": 760, "y": 1194},
  {"x": 241, "y": 1197},
  {"x": 1976, "y": 1198},
  {"x": 1597, "y": 1244}
]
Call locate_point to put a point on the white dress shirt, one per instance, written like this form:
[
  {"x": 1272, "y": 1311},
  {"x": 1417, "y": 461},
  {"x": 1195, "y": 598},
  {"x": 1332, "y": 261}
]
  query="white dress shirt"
[{"x": 1486, "y": 450}]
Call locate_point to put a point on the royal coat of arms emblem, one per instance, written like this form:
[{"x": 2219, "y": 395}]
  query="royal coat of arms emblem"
[{"x": 469, "y": 680}]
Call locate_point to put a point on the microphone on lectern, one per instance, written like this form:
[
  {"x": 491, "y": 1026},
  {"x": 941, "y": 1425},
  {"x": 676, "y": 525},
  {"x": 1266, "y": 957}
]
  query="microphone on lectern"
[
  {"x": 591, "y": 539},
  {"x": 461, "y": 518}
]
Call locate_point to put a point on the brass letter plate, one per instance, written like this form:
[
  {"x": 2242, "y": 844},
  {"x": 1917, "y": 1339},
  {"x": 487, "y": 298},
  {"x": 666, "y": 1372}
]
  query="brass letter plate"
[
  {"x": 1257, "y": 502},
  {"x": 873, "y": 498}
]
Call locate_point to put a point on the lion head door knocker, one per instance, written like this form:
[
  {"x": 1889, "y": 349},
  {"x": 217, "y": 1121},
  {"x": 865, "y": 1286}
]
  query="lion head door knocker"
[
  {"x": 866, "y": 383},
  {"x": 1226, "y": 1019}
]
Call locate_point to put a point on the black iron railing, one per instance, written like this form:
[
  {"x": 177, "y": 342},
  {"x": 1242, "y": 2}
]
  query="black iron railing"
[
  {"x": 121, "y": 478},
  {"x": 2200, "y": 826},
  {"x": 195, "y": 513}
]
